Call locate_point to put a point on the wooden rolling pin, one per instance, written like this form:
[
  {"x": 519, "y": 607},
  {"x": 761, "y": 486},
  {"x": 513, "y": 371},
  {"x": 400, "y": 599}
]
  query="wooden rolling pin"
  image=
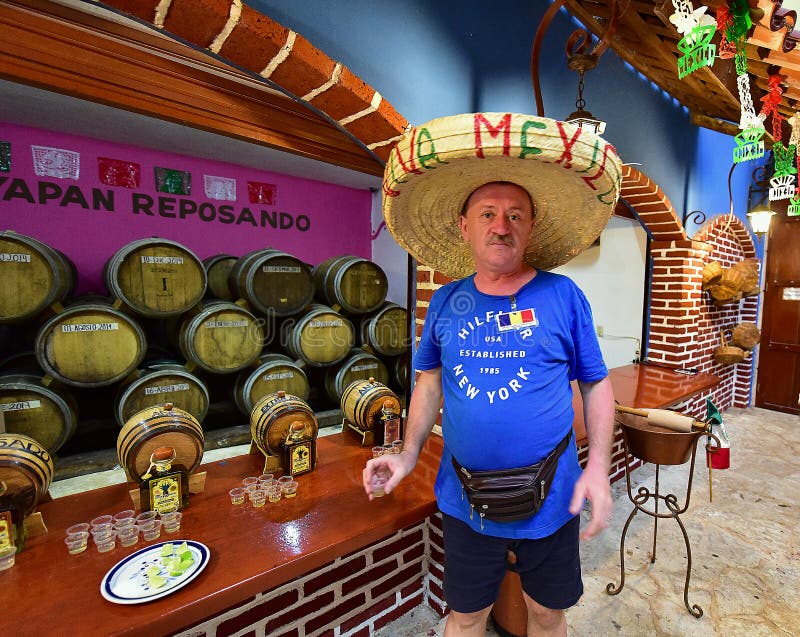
[{"x": 666, "y": 418}]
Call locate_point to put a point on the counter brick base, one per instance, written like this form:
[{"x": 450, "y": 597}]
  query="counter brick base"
[{"x": 352, "y": 596}]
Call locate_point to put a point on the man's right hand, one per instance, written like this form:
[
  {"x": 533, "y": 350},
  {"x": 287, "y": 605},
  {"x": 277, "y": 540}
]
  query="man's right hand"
[{"x": 391, "y": 468}]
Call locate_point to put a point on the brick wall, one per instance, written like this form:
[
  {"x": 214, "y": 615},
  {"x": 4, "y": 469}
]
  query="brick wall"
[{"x": 351, "y": 597}]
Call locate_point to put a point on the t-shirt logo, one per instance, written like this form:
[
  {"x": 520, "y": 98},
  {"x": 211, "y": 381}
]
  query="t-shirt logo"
[{"x": 516, "y": 320}]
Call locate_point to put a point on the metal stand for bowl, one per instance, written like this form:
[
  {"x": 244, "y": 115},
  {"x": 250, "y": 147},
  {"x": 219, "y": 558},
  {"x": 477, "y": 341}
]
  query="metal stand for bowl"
[{"x": 644, "y": 496}]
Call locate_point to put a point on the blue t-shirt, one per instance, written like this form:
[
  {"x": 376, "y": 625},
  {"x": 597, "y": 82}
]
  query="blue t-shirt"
[{"x": 507, "y": 362}]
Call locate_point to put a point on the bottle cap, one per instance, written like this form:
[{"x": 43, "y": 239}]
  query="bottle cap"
[
  {"x": 281, "y": 393},
  {"x": 297, "y": 427},
  {"x": 162, "y": 453},
  {"x": 168, "y": 406}
]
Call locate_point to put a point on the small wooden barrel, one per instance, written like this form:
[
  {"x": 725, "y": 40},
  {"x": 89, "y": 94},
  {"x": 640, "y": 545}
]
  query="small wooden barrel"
[
  {"x": 34, "y": 276},
  {"x": 163, "y": 384},
  {"x": 354, "y": 284},
  {"x": 156, "y": 277},
  {"x": 272, "y": 416},
  {"x": 47, "y": 415},
  {"x": 363, "y": 400},
  {"x": 25, "y": 466},
  {"x": 399, "y": 369},
  {"x": 360, "y": 365},
  {"x": 276, "y": 372},
  {"x": 320, "y": 337},
  {"x": 154, "y": 427},
  {"x": 221, "y": 338},
  {"x": 386, "y": 331},
  {"x": 218, "y": 269},
  {"x": 90, "y": 345},
  {"x": 272, "y": 282}
]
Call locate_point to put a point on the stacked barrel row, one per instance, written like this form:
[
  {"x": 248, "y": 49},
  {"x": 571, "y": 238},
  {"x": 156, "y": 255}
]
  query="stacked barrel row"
[{"x": 201, "y": 335}]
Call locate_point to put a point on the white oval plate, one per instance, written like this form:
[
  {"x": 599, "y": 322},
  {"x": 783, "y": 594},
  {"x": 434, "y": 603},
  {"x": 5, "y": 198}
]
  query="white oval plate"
[{"x": 126, "y": 582}]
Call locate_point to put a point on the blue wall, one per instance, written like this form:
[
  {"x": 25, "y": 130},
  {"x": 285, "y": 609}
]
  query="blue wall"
[{"x": 431, "y": 59}]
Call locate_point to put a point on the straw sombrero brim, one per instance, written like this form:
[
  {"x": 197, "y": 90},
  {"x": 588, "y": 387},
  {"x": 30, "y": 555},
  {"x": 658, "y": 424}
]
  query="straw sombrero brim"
[{"x": 572, "y": 175}]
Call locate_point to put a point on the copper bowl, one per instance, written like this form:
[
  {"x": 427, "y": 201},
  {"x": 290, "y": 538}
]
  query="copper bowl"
[{"x": 656, "y": 444}]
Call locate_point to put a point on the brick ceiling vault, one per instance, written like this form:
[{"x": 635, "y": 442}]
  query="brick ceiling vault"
[{"x": 240, "y": 35}]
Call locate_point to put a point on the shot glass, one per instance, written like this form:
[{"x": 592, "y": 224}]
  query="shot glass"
[
  {"x": 151, "y": 530},
  {"x": 77, "y": 542},
  {"x": 146, "y": 516},
  {"x": 172, "y": 521},
  {"x": 249, "y": 480},
  {"x": 274, "y": 493},
  {"x": 237, "y": 495},
  {"x": 377, "y": 482},
  {"x": 284, "y": 479},
  {"x": 8, "y": 556},
  {"x": 106, "y": 527},
  {"x": 250, "y": 488},
  {"x": 265, "y": 478},
  {"x": 102, "y": 519},
  {"x": 387, "y": 449},
  {"x": 81, "y": 527},
  {"x": 289, "y": 489},
  {"x": 377, "y": 452},
  {"x": 128, "y": 535},
  {"x": 258, "y": 497},
  {"x": 397, "y": 446},
  {"x": 128, "y": 516},
  {"x": 105, "y": 541}
]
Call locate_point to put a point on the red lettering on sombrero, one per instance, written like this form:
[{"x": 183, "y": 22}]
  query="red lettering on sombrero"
[
  {"x": 607, "y": 148},
  {"x": 494, "y": 131},
  {"x": 566, "y": 156}
]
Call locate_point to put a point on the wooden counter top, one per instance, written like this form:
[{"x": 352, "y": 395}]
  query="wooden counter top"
[
  {"x": 645, "y": 386},
  {"x": 252, "y": 550}
]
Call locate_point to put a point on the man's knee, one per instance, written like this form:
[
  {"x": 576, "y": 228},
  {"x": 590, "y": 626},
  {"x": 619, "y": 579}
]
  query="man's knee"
[
  {"x": 469, "y": 621},
  {"x": 544, "y": 618}
]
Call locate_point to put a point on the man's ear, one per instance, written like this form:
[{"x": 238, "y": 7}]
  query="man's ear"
[{"x": 462, "y": 225}]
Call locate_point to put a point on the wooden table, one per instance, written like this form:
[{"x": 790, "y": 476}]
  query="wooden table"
[{"x": 50, "y": 592}]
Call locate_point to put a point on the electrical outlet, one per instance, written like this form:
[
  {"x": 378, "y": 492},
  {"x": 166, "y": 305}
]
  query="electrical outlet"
[{"x": 600, "y": 330}]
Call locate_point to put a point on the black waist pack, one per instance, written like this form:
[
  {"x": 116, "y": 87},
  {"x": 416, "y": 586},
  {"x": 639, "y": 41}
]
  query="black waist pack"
[{"x": 506, "y": 495}]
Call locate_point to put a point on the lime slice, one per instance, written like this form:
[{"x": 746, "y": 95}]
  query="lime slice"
[
  {"x": 166, "y": 549},
  {"x": 182, "y": 548},
  {"x": 186, "y": 563},
  {"x": 153, "y": 570},
  {"x": 156, "y": 581}
]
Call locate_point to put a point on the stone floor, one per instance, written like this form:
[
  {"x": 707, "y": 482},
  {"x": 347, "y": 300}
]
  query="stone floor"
[{"x": 745, "y": 548}]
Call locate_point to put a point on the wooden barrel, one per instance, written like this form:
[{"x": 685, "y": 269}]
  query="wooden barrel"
[
  {"x": 354, "y": 284},
  {"x": 320, "y": 337},
  {"x": 275, "y": 372},
  {"x": 26, "y": 467},
  {"x": 271, "y": 417},
  {"x": 154, "y": 427},
  {"x": 45, "y": 414},
  {"x": 34, "y": 276},
  {"x": 272, "y": 282},
  {"x": 360, "y": 365},
  {"x": 218, "y": 269},
  {"x": 221, "y": 338},
  {"x": 90, "y": 345},
  {"x": 363, "y": 400},
  {"x": 385, "y": 332},
  {"x": 161, "y": 384},
  {"x": 399, "y": 369},
  {"x": 156, "y": 277}
]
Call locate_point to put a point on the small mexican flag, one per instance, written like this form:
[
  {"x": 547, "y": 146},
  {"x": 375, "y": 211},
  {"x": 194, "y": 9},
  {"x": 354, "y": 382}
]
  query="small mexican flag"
[{"x": 721, "y": 459}]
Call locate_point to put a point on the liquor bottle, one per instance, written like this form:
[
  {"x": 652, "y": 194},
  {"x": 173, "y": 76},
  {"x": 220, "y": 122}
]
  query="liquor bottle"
[
  {"x": 12, "y": 517},
  {"x": 391, "y": 423},
  {"x": 165, "y": 485},
  {"x": 299, "y": 450}
]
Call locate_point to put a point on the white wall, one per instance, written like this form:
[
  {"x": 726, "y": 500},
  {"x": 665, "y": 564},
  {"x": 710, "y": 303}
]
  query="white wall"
[
  {"x": 612, "y": 276},
  {"x": 389, "y": 255}
]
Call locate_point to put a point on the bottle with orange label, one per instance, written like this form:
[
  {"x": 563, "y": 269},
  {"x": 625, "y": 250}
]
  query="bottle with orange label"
[{"x": 165, "y": 485}]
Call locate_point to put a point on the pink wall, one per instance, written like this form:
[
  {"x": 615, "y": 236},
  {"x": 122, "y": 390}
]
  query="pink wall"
[{"x": 323, "y": 220}]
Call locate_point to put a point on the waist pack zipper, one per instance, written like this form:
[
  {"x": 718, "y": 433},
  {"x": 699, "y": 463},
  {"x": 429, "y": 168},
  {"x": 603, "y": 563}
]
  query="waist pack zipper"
[{"x": 541, "y": 490}]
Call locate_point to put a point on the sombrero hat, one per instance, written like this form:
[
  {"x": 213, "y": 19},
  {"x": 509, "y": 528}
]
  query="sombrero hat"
[{"x": 572, "y": 175}]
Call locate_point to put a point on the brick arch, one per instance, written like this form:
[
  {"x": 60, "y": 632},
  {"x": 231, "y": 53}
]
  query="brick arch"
[
  {"x": 733, "y": 229},
  {"x": 238, "y": 34},
  {"x": 652, "y": 206}
]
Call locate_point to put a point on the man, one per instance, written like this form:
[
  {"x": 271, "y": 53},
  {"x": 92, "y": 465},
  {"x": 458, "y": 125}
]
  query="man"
[{"x": 499, "y": 349}]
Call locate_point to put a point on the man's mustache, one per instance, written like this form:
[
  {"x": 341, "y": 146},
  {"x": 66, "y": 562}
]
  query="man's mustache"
[{"x": 504, "y": 238}]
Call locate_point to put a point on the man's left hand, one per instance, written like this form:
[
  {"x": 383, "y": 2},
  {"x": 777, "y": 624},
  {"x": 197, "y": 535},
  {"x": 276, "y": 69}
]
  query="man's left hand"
[{"x": 594, "y": 486}]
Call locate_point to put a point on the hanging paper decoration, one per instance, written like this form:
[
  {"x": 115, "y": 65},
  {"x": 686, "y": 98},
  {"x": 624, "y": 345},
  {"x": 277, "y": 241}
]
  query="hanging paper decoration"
[
  {"x": 5, "y": 157},
  {"x": 727, "y": 48},
  {"x": 697, "y": 29},
  {"x": 118, "y": 172},
  {"x": 260, "y": 192},
  {"x": 175, "y": 182},
  {"x": 772, "y": 100},
  {"x": 783, "y": 182},
  {"x": 794, "y": 140},
  {"x": 56, "y": 162},
  {"x": 749, "y": 143},
  {"x": 722, "y": 458},
  {"x": 221, "y": 188}
]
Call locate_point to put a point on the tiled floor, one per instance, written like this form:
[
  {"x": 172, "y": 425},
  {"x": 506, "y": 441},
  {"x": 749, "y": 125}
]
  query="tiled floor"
[{"x": 745, "y": 548}]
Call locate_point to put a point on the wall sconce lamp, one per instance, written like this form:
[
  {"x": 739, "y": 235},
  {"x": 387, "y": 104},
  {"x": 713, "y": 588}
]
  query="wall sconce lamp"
[
  {"x": 760, "y": 212},
  {"x": 581, "y": 117},
  {"x": 759, "y": 220}
]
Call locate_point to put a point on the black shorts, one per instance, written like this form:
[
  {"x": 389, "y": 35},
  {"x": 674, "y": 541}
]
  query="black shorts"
[{"x": 549, "y": 568}]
